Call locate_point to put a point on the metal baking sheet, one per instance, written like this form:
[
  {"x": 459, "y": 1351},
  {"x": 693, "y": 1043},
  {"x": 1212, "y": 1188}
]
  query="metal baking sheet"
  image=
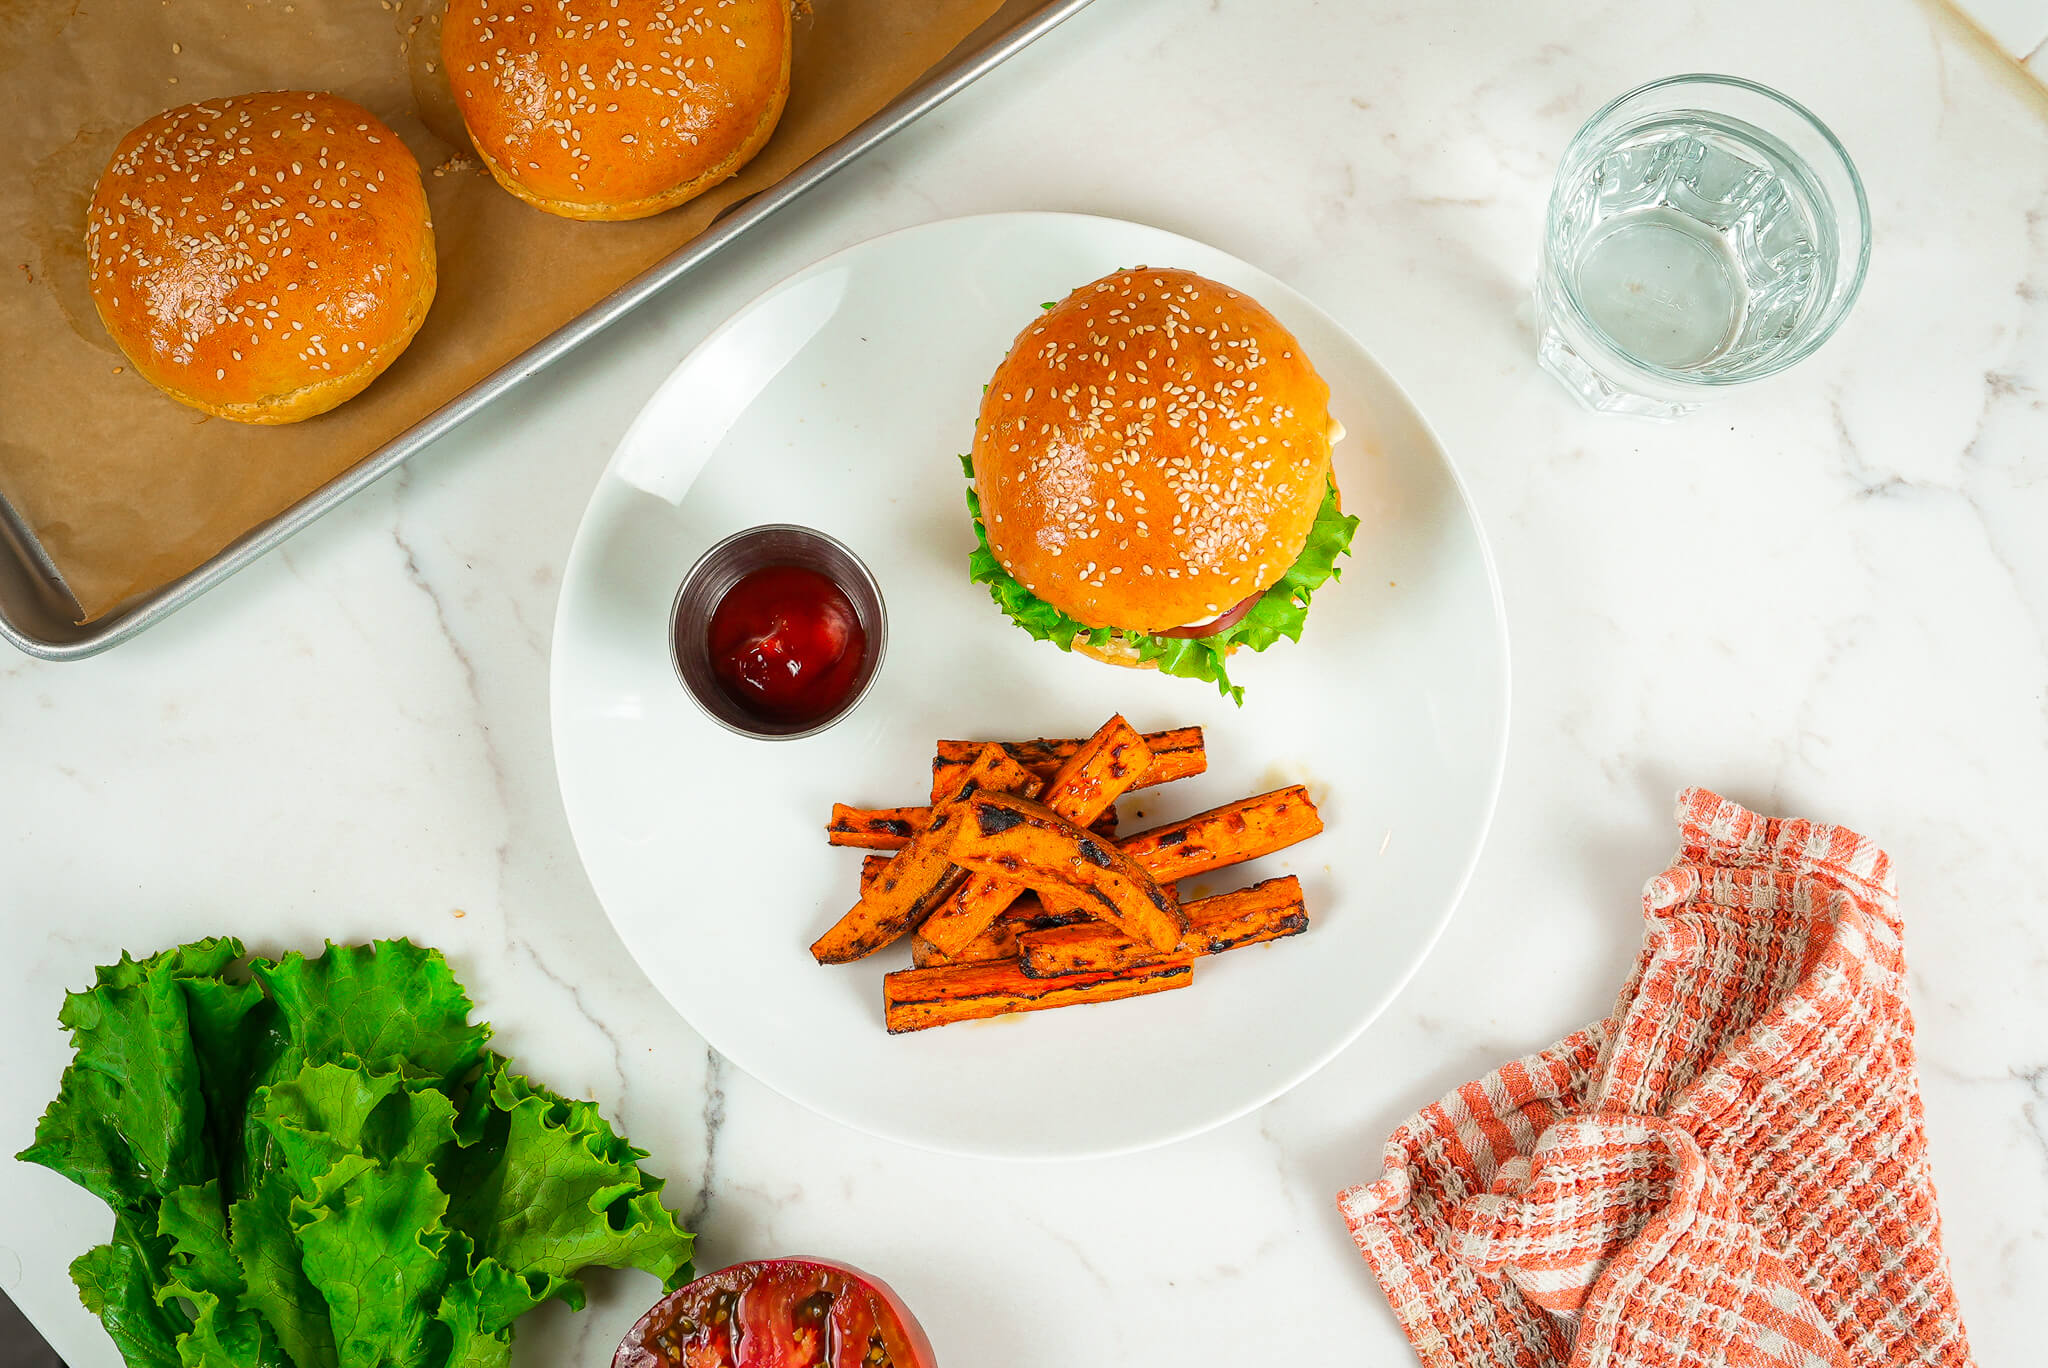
[{"x": 37, "y": 612}]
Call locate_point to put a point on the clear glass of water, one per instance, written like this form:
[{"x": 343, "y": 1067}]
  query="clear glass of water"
[{"x": 1703, "y": 231}]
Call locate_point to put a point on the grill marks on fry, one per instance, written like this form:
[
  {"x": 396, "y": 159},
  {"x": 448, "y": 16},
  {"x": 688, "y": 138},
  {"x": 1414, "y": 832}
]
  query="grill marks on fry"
[
  {"x": 994, "y": 821},
  {"x": 1093, "y": 853}
]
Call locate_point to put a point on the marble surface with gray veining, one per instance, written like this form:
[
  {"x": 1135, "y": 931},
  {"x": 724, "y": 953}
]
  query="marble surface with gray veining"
[{"x": 1825, "y": 596}]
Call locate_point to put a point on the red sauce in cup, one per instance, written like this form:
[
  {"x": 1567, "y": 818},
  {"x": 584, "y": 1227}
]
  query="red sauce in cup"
[{"x": 786, "y": 644}]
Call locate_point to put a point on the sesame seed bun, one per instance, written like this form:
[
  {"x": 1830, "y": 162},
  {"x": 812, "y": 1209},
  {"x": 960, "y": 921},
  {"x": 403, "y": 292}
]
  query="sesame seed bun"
[
  {"x": 616, "y": 109},
  {"x": 261, "y": 258},
  {"x": 1152, "y": 452}
]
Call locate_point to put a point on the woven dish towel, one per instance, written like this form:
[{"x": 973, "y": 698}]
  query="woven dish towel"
[{"x": 1731, "y": 1169}]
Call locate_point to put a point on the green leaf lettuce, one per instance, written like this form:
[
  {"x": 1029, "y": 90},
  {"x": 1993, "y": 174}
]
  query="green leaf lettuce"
[{"x": 319, "y": 1163}]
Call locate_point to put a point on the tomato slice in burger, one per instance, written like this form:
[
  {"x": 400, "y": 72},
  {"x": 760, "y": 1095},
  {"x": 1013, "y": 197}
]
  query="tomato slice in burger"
[
  {"x": 1215, "y": 625},
  {"x": 778, "y": 1313}
]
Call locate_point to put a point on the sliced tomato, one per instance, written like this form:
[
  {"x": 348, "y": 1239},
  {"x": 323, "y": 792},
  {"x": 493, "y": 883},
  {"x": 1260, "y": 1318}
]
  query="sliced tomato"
[
  {"x": 779, "y": 1313},
  {"x": 1215, "y": 625}
]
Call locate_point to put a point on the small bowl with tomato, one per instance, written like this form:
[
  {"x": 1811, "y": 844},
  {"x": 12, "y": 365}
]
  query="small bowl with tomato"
[{"x": 778, "y": 631}]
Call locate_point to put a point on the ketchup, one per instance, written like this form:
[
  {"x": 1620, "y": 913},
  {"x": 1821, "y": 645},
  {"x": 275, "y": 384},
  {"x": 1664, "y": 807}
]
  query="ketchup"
[{"x": 786, "y": 644}]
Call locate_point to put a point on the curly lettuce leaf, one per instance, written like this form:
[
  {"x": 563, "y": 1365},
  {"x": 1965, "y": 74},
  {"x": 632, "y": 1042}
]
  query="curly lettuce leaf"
[
  {"x": 548, "y": 1187},
  {"x": 129, "y": 1120},
  {"x": 117, "y": 1282},
  {"x": 204, "y": 1275},
  {"x": 265, "y": 1243},
  {"x": 330, "y": 1120},
  {"x": 289, "y": 1151},
  {"x": 388, "y": 1005},
  {"x": 1282, "y": 611},
  {"x": 477, "y": 1313},
  {"x": 233, "y": 1037},
  {"x": 374, "y": 1248}
]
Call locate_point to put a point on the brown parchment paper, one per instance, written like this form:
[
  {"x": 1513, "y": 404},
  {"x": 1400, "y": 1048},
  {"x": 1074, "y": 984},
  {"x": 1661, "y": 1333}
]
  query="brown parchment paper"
[{"x": 126, "y": 489}]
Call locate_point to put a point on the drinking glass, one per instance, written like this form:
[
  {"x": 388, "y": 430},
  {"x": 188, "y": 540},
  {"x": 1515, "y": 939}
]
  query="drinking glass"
[{"x": 1703, "y": 231}]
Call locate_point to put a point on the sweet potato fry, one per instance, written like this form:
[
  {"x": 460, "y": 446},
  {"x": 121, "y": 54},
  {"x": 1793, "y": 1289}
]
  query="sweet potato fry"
[
  {"x": 1176, "y": 754},
  {"x": 871, "y": 868},
  {"x": 1015, "y": 838},
  {"x": 920, "y": 878},
  {"x": 999, "y": 941},
  {"x": 1091, "y": 781},
  {"x": 892, "y": 828},
  {"x": 875, "y": 828},
  {"x": 1201, "y": 844},
  {"x": 1225, "y": 835},
  {"x": 914, "y": 999},
  {"x": 1030, "y": 913},
  {"x": 1263, "y": 912}
]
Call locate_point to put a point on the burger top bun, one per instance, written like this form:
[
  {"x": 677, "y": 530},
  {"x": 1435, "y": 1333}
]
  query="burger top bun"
[
  {"x": 1152, "y": 452},
  {"x": 616, "y": 109},
  {"x": 262, "y": 257}
]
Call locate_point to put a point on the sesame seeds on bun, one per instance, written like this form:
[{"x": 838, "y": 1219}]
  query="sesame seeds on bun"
[
  {"x": 1152, "y": 452},
  {"x": 616, "y": 109},
  {"x": 262, "y": 258}
]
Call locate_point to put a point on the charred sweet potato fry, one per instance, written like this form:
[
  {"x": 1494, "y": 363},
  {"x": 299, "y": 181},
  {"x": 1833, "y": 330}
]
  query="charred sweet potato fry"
[
  {"x": 875, "y": 828},
  {"x": 1022, "y": 897},
  {"x": 1176, "y": 754},
  {"x": 919, "y": 879},
  {"x": 1208, "y": 841},
  {"x": 892, "y": 828},
  {"x": 1091, "y": 781},
  {"x": 1030, "y": 913},
  {"x": 1225, "y": 835},
  {"x": 999, "y": 941},
  {"x": 915, "y": 999},
  {"x": 1015, "y": 838},
  {"x": 1263, "y": 912}
]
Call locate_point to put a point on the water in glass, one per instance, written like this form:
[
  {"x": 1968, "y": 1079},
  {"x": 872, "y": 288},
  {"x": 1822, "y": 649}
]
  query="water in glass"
[{"x": 1696, "y": 244}]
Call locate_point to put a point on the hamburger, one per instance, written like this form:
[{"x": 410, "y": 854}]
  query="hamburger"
[{"x": 1151, "y": 477}]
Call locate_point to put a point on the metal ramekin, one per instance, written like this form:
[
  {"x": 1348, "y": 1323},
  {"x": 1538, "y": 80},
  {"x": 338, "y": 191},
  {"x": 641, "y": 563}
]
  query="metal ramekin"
[{"x": 732, "y": 560}]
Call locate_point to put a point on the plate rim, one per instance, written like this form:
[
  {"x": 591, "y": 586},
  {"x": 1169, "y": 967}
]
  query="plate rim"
[{"x": 1469, "y": 862}]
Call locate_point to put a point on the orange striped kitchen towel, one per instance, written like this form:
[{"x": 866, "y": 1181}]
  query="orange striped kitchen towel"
[{"x": 1731, "y": 1169}]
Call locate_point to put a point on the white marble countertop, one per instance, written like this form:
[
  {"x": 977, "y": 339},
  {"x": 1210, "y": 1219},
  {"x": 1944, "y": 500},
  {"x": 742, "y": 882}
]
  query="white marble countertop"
[{"x": 1828, "y": 597}]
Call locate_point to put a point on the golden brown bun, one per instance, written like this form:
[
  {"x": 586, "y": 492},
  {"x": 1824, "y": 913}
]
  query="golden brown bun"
[
  {"x": 616, "y": 109},
  {"x": 261, "y": 258},
  {"x": 1152, "y": 452}
]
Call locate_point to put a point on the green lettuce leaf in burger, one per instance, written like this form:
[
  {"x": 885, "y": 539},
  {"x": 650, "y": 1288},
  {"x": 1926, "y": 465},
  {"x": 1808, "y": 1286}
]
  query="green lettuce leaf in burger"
[{"x": 1151, "y": 477}]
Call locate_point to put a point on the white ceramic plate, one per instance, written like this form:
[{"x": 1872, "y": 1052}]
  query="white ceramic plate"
[{"x": 840, "y": 400}]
